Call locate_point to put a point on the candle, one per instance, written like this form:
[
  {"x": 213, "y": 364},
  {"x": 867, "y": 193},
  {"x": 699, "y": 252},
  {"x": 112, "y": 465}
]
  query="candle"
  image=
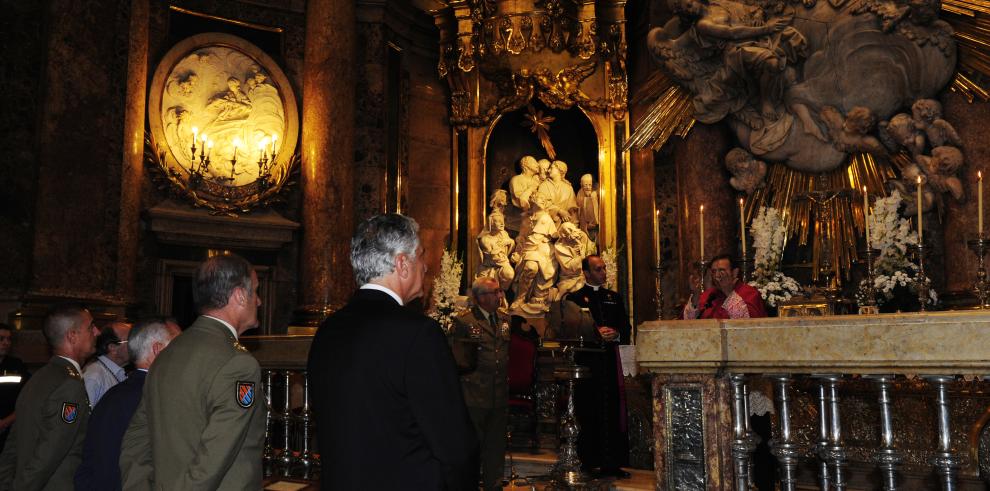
[
  {"x": 274, "y": 138},
  {"x": 203, "y": 137},
  {"x": 921, "y": 234},
  {"x": 195, "y": 132},
  {"x": 742, "y": 225},
  {"x": 866, "y": 215},
  {"x": 237, "y": 141},
  {"x": 209, "y": 149},
  {"x": 701, "y": 231},
  {"x": 656, "y": 234},
  {"x": 979, "y": 203}
]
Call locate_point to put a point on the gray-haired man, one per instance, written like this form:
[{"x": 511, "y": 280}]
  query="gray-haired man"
[
  {"x": 100, "y": 468},
  {"x": 199, "y": 424},
  {"x": 385, "y": 386}
]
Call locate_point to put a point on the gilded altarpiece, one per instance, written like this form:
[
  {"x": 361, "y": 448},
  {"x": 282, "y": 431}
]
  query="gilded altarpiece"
[{"x": 503, "y": 56}]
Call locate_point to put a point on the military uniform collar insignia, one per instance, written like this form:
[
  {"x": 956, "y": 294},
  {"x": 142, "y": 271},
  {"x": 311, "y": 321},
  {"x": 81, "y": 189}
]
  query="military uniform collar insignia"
[{"x": 240, "y": 347}]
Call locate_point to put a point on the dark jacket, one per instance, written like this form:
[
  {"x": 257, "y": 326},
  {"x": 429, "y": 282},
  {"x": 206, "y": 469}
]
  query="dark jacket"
[
  {"x": 388, "y": 403},
  {"x": 45, "y": 445},
  {"x": 100, "y": 467}
]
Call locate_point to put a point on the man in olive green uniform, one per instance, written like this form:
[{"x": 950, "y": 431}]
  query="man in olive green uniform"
[
  {"x": 480, "y": 342},
  {"x": 201, "y": 421},
  {"x": 45, "y": 444}
]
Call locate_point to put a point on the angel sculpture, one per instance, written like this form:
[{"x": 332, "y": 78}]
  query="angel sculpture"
[
  {"x": 747, "y": 171},
  {"x": 927, "y": 116},
  {"x": 852, "y": 133},
  {"x": 901, "y": 132},
  {"x": 941, "y": 167}
]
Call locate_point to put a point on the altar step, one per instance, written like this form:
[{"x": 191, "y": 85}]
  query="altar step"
[{"x": 529, "y": 465}]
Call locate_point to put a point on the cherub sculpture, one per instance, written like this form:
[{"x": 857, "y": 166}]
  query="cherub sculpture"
[
  {"x": 901, "y": 132},
  {"x": 852, "y": 133},
  {"x": 747, "y": 171},
  {"x": 927, "y": 116},
  {"x": 941, "y": 167}
]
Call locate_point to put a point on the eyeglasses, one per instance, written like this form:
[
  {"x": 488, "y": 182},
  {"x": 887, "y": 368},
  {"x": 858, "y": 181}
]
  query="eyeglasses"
[{"x": 120, "y": 342}]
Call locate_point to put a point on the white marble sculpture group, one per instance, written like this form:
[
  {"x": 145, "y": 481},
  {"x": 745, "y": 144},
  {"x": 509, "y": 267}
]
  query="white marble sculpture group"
[{"x": 557, "y": 230}]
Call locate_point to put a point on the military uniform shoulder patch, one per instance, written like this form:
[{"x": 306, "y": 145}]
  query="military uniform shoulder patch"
[
  {"x": 70, "y": 412},
  {"x": 245, "y": 394}
]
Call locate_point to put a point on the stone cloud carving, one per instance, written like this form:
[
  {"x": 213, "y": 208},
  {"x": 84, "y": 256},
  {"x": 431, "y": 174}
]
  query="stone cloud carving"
[{"x": 803, "y": 83}]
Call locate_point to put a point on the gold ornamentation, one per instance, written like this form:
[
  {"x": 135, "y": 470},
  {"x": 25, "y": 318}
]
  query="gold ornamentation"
[
  {"x": 540, "y": 124},
  {"x": 220, "y": 89}
]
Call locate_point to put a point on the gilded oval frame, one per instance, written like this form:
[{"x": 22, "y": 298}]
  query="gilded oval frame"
[{"x": 241, "y": 62}]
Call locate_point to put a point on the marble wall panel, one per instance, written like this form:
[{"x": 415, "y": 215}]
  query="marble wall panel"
[{"x": 23, "y": 45}]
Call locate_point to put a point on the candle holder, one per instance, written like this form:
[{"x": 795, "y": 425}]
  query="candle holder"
[
  {"x": 869, "y": 292},
  {"x": 658, "y": 296},
  {"x": 981, "y": 287},
  {"x": 745, "y": 264},
  {"x": 198, "y": 165},
  {"x": 265, "y": 165},
  {"x": 702, "y": 266},
  {"x": 921, "y": 279}
]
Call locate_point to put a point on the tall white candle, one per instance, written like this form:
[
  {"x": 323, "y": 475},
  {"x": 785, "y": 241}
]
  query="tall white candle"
[
  {"x": 921, "y": 234},
  {"x": 701, "y": 230},
  {"x": 979, "y": 203},
  {"x": 866, "y": 215},
  {"x": 742, "y": 225},
  {"x": 656, "y": 234}
]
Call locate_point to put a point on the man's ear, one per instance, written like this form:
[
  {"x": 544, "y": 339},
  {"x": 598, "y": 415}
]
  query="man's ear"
[
  {"x": 735, "y": 272},
  {"x": 402, "y": 264}
]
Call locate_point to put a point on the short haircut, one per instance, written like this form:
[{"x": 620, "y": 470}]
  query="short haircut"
[
  {"x": 376, "y": 243},
  {"x": 732, "y": 261},
  {"x": 586, "y": 262},
  {"x": 217, "y": 277},
  {"x": 108, "y": 336},
  {"x": 60, "y": 321},
  {"x": 144, "y": 334},
  {"x": 479, "y": 284}
]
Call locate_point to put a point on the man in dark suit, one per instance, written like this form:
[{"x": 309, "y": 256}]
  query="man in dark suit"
[
  {"x": 45, "y": 446},
  {"x": 599, "y": 402},
  {"x": 200, "y": 424},
  {"x": 100, "y": 467},
  {"x": 480, "y": 343},
  {"x": 388, "y": 403}
]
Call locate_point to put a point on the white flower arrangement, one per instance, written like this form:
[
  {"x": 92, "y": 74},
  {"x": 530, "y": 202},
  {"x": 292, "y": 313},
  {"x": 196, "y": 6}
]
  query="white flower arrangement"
[
  {"x": 892, "y": 235},
  {"x": 446, "y": 289},
  {"x": 610, "y": 257},
  {"x": 768, "y": 246}
]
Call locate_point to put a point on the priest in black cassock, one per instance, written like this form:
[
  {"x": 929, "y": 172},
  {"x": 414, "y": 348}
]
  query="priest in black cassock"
[{"x": 600, "y": 401}]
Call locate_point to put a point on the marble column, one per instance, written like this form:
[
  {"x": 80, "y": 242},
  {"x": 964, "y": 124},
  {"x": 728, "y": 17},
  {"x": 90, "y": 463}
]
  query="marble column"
[
  {"x": 327, "y": 144},
  {"x": 80, "y": 125},
  {"x": 703, "y": 180},
  {"x": 132, "y": 170}
]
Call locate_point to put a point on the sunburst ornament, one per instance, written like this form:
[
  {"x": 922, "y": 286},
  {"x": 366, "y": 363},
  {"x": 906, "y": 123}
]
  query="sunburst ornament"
[{"x": 540, "y": 124}]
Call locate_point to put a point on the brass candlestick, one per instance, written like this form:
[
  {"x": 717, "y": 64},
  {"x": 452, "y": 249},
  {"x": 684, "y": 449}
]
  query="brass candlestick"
[{"x": 982, "y": 286}]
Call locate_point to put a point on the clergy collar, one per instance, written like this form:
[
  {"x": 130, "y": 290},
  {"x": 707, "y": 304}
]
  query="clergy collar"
[
  {"x": 232, "y": 330},
  {"x": 594, "y": 287},
  {"x": 375, "y": 286}
]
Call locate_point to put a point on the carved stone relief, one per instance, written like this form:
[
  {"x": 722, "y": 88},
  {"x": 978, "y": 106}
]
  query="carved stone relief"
[{"x": 800, "y": 83}]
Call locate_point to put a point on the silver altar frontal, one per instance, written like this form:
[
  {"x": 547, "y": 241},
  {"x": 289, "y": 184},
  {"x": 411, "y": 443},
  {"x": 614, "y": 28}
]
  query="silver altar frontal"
[{"x": 890, "y": 401}]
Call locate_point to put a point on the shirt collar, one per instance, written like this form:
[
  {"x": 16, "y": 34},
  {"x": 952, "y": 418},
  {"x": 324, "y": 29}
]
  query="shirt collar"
[
  {"x": 375, "y": 286},
  {"x": 232, "y": 330},
  {"x": 73, "y": 362},
  {"x": 594, "y": 287}
]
